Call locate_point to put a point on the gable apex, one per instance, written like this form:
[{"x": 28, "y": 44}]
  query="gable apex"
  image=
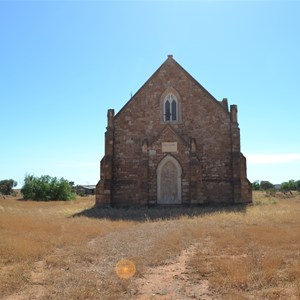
[{"x": 165, "y": 64}]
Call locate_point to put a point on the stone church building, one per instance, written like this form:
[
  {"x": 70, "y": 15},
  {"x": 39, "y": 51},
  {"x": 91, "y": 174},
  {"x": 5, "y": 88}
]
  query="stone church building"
[{"x": 173, "y": 143}]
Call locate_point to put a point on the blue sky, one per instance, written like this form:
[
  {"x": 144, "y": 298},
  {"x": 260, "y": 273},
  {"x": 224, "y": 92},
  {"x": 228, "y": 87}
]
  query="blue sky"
[{"x": 64, "y": 63}]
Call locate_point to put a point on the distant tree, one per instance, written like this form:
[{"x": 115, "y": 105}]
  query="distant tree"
[
  {"x": 72, "y": 185},
  {"x": 266, "y": 185},
  {"x": 298, "y": 185},
  {"x": 255, "y": 185},
  {"x": 6, "y": 186},
  {"x": 291, "y": 185},
  {"x": 46, "y": 188}
]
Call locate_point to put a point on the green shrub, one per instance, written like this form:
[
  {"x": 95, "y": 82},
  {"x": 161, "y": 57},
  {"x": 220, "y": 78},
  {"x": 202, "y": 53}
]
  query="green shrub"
[
  {"x": 6, "y": 186},
  {"x": 291, "y": 185},
  {"x": 46, "y": 188},
  {"x": 256, "y": 185}
]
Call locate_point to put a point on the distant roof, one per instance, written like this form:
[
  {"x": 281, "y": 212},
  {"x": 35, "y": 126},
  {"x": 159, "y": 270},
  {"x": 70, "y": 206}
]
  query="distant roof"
[{"x": 87, "y": 186}]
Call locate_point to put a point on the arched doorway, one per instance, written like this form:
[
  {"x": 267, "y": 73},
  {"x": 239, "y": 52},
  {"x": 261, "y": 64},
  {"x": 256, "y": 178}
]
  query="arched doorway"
[{"x": 169, "y": 181}]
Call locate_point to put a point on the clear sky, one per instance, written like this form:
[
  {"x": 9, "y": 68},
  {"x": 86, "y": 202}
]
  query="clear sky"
[{"x": 64, "y": 63}]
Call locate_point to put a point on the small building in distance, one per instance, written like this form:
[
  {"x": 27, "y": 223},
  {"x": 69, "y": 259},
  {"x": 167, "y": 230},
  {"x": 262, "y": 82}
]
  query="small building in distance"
[
  {"x": 173, "y": 143},
  {"x": 84, "y": 190}
]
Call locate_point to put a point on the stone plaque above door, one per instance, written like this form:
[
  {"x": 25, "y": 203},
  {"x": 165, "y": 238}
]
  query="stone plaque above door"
[{"x": 169, "y": 147}]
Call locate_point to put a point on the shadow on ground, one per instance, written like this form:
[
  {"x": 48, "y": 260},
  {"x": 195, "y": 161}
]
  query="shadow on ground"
[{"x": 156, "y": 213}]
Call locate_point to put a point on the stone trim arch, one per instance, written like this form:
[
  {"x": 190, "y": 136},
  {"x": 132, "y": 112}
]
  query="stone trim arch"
[
  {"x": 168, "y": 91},
  {"x": 168, "y": 174}
]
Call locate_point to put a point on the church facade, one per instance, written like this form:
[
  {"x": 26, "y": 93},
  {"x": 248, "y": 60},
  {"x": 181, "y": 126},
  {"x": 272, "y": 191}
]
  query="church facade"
[{"x": 173, "y": 143}]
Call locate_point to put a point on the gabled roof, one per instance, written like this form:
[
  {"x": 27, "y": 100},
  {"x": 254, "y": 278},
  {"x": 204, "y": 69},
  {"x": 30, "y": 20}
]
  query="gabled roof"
[{"x": 170, "y": 58}]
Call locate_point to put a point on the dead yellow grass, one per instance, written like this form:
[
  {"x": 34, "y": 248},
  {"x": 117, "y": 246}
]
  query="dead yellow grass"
[
  {"x": 45, "y": 253},
  {"x": 256, "y": 254},
  {"x": 32, "y": 231}
]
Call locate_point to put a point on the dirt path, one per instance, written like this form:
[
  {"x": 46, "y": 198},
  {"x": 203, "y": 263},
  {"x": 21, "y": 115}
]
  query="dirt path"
[{"x": 172, "y": 281}]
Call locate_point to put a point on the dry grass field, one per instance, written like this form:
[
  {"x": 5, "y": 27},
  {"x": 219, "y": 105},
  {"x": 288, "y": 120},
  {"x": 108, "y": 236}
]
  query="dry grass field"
[{"x": 68, "y": 250}]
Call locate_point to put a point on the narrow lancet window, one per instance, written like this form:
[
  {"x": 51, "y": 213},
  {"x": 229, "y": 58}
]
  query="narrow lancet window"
[
  {"x": 174, "y": 110},
  {"x": 167, "y": 111},
  {"x": 170, "y": 108}
]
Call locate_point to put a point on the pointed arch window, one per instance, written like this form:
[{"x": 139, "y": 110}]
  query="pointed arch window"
[{"x": 170, "y": 108}]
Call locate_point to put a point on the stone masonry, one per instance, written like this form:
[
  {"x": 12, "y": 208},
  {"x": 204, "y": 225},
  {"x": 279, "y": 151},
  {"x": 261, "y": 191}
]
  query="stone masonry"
[{"x": 173, "y": 143}]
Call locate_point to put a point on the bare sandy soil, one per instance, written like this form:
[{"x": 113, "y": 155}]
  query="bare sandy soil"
[{"x": 173, "y": 281}]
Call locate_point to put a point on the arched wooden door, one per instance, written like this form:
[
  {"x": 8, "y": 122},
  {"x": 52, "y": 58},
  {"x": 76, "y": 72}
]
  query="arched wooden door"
[{"x": 169, "y": 181}]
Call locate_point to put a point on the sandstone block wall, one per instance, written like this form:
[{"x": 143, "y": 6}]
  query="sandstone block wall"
[{"x": 206, "y": 135}]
